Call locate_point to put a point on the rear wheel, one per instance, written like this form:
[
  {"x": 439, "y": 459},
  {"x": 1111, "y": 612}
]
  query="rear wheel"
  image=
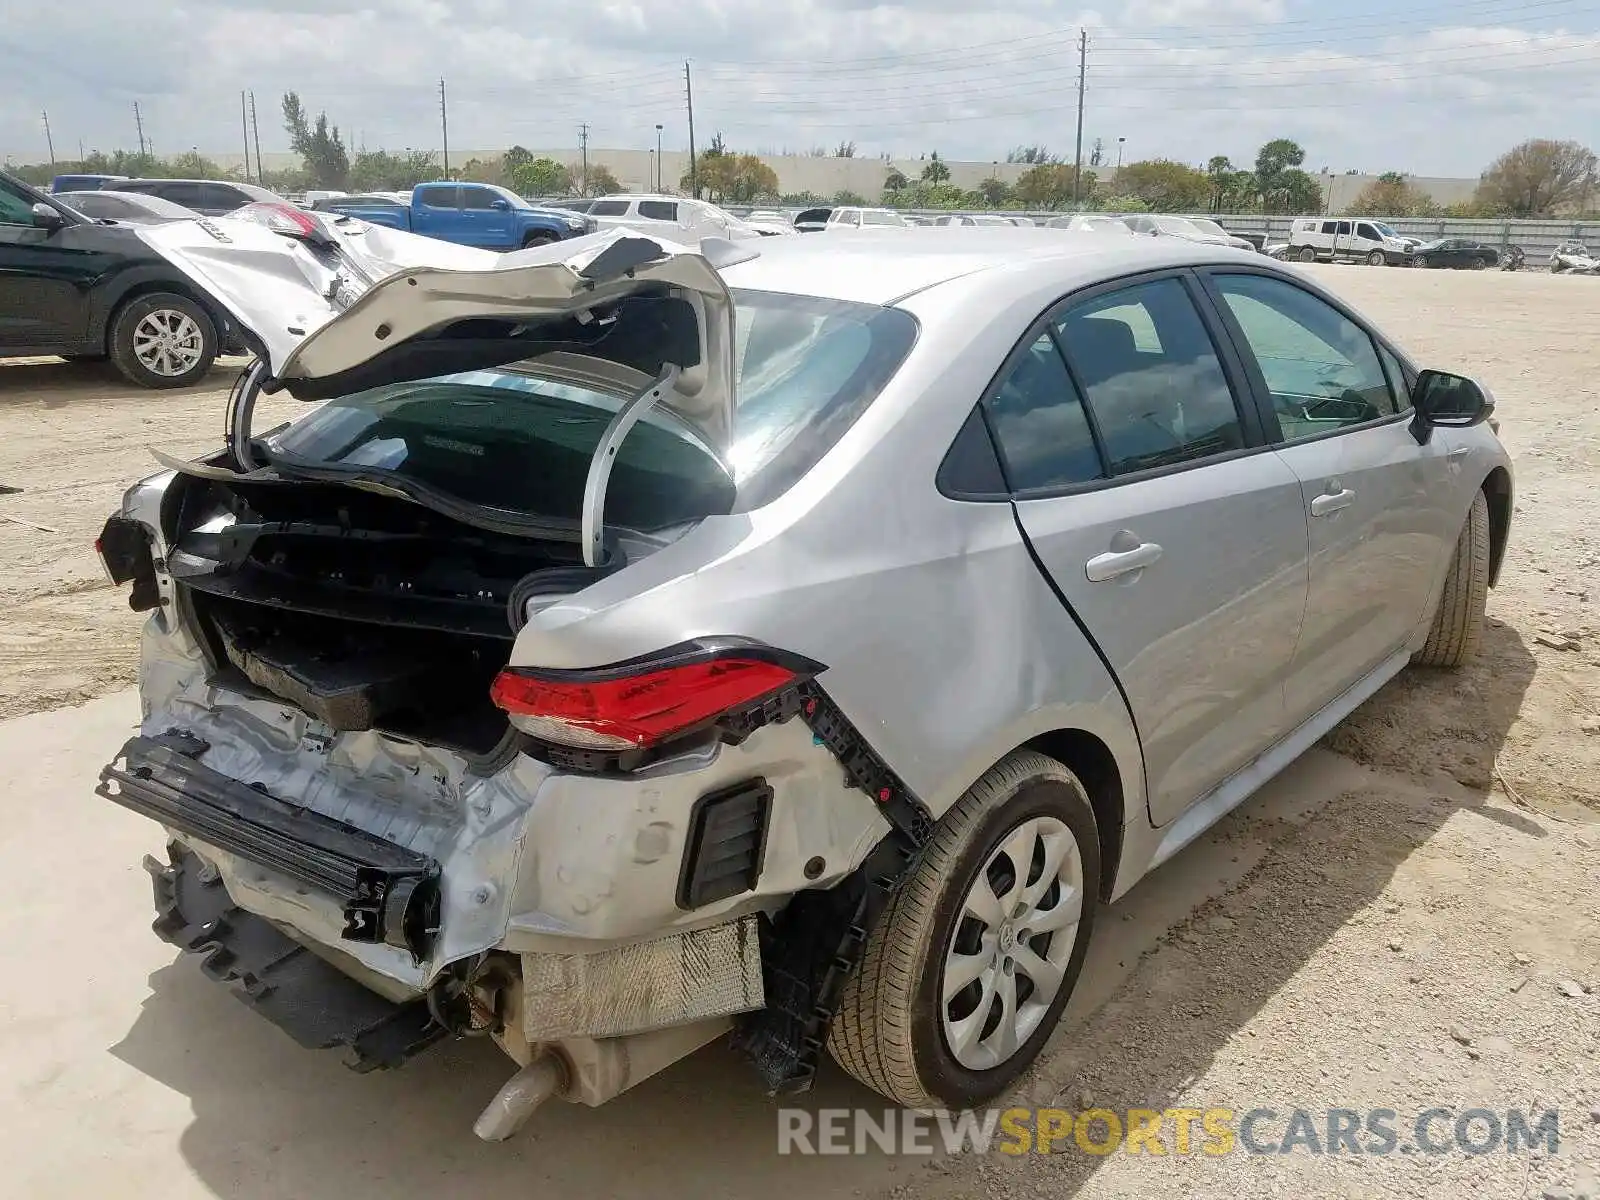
[
  {"x": 163, "y": 341},
  {"x": 1458, "y": 621},
  {"x": 1308, "y": 254},
  {"x": 966, "y": 973}
]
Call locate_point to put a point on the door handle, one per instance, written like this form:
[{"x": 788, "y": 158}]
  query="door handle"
[
  {"x": 1330, "y": 502},
  {"x": 1115, "y": 563}
]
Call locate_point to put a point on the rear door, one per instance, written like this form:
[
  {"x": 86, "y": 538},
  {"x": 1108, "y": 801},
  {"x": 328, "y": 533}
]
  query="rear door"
[
  {"x": 1337, "y": 398},
  {"x": 1176, "y": 537}
]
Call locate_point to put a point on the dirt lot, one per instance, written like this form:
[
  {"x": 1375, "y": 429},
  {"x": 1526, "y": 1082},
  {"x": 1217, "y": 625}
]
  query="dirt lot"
[{"x": 1409, "y": 918}]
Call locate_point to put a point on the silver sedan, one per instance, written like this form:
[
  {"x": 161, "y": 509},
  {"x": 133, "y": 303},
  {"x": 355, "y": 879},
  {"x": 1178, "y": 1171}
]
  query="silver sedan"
[{"x": 804, "y": 637}]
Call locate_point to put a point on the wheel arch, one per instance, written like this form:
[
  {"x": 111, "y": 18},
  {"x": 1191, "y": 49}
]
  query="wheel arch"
[
  {"x": 1092, "y": 761},
  {"x": 1497, "y": 491},
  {"x": 156, "y": 285}
]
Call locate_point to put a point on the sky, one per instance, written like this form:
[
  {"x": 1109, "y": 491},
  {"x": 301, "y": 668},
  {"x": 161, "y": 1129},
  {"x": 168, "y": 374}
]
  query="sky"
[{"x": 1419, "y": 86}]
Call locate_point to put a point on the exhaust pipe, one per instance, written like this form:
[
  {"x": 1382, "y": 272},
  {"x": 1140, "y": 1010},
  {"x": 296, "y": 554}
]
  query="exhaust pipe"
[{"x": 517, "y": 1099}]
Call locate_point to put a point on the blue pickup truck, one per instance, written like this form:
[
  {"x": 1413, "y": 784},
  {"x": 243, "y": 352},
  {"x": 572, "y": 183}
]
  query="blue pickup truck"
[{"x": 471, "y": 214}]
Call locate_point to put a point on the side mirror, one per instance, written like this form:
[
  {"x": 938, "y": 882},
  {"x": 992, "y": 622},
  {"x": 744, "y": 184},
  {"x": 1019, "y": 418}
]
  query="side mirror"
[
  {"x": 45, "y": 217},
  {"x": 500, "y": 205},
  {"x": 1442, "y": 400}
]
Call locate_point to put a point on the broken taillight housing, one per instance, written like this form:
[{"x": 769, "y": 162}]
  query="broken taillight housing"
[
  {"x": 644, "y": 703},
  {"x": 284, "y": 218}
]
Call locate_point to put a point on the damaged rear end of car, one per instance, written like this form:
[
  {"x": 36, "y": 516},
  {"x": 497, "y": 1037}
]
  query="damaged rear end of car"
[{"x": 398, "y": 808}]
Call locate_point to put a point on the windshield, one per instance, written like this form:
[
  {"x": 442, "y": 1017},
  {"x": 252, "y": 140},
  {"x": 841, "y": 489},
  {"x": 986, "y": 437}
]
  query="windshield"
[
  {"x": 1384, "y": 230},
  {"x": 508, "y": 196},
  {"x": 515, "y": 438},
  {"x": 1207, "y": 226},
  {"x": 871, "y": 217}
]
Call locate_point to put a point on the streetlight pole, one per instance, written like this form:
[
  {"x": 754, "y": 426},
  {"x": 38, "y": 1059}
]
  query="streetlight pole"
[{"x": 659, "y": 186}]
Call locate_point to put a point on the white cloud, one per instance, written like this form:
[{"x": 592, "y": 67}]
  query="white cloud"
[{"x": 1412, "y": 89}]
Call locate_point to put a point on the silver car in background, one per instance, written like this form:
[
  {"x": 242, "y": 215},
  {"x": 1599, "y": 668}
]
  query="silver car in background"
[{"x": 800, "y": 638}]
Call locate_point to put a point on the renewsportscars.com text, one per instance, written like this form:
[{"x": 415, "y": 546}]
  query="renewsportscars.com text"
[{"x": 1208, "y": 1131}]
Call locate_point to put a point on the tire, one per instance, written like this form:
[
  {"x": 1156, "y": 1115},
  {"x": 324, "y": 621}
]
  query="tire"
[
  {"x": 142, "y": 357},
  {"x": 891, "y": 1030},
  {"x": 1458, "y": 621},
  {"x": 1376, "y": 259},
  {"x": 1420, "y": 260},
  {"x": 1480, "y": 264},
  {"x": 1307, "y": 254},
  {"x": 539, "y": 239}
]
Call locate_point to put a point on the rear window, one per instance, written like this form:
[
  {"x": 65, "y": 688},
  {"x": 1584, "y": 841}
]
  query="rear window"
[{"x": 510, "y": 438}]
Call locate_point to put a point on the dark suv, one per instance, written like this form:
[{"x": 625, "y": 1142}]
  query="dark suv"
[
  {"x": 211, "y": 197},
  {"x": 89, "y": 290}
]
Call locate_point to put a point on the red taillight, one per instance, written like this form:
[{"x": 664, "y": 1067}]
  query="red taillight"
[
  {"x": 633, "y": 710},
  {"x": 282, "y": 218}
]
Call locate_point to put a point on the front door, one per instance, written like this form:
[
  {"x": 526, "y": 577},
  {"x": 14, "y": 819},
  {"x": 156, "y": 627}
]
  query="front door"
[
  {"x": 1369, "y": 489},
  {"x": 44, "y": 277},
  {"x": 1174, "y": 535}
]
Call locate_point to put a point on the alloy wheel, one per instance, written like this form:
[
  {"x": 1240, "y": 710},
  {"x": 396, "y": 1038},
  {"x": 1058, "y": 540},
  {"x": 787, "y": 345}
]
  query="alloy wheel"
[
  {"x": 168, "y": 342},
  {"x": 1009, "y": 949}
]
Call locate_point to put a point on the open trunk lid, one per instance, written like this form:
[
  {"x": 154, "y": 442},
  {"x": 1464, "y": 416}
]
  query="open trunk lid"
[{"x": 348, "y": 305}]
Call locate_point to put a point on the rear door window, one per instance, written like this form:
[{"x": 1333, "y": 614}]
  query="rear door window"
[
  {"x": 658, "y": 210},
  {"x": 1156, "y": 390},
  {"x": 190, "y": 195},
  {"x": 1040, "y": 422},
  {"x": 438, "y": 197}
]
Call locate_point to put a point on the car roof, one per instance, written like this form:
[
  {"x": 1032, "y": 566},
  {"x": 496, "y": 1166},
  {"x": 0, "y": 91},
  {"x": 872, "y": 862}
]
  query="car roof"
[{"x": 884, "y": 269}]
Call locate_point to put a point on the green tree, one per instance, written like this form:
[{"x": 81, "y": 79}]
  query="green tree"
[
  {"x": 1274, "y": 163},
  {"x": 1125, "y": 204},
  {"x": 380, "y": 171},
  {"x": 1164, "y": 185},
  {"x": 1045, "y": 185},
  {"x": 1301, "y": 193},
  {"x": 1539, "y": 178},
  {"x": 602, "y": 182},
  {"x": 514, "y": 159},
  {"x": 845, "y": 197},
  {"x": 895, "y": 180},
  {"x": 1032, "y": 154},
  {"x": 935, "y": 172},
  {"x": 995, "y": 193},
  {"x": 318, "y": 144},
  {"x": 546, "y": 177},
  {"x": 845, "y": 150}
]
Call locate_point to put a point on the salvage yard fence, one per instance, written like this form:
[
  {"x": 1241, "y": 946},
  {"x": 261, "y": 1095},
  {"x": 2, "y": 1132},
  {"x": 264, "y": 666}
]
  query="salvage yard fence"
[{"x": 1538, "y": 239}]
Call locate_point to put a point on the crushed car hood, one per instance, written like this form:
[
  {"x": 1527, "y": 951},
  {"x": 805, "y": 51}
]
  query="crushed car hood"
[{"x": 366, "y": 305}]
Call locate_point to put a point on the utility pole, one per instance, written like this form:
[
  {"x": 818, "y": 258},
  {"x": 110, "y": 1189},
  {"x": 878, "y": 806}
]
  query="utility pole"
[
  {"x": 244, "y": 128},
  {"x": 138, "y": 122},
  {"x": 48, "y": 140},
  {"x": 583, "y": 141},
  {"x": 1077, "y": 167},
  {"x": 261, "y": 171},
  {"x": 694, "y": 167},
  {"x": 444, "y": 128}
]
